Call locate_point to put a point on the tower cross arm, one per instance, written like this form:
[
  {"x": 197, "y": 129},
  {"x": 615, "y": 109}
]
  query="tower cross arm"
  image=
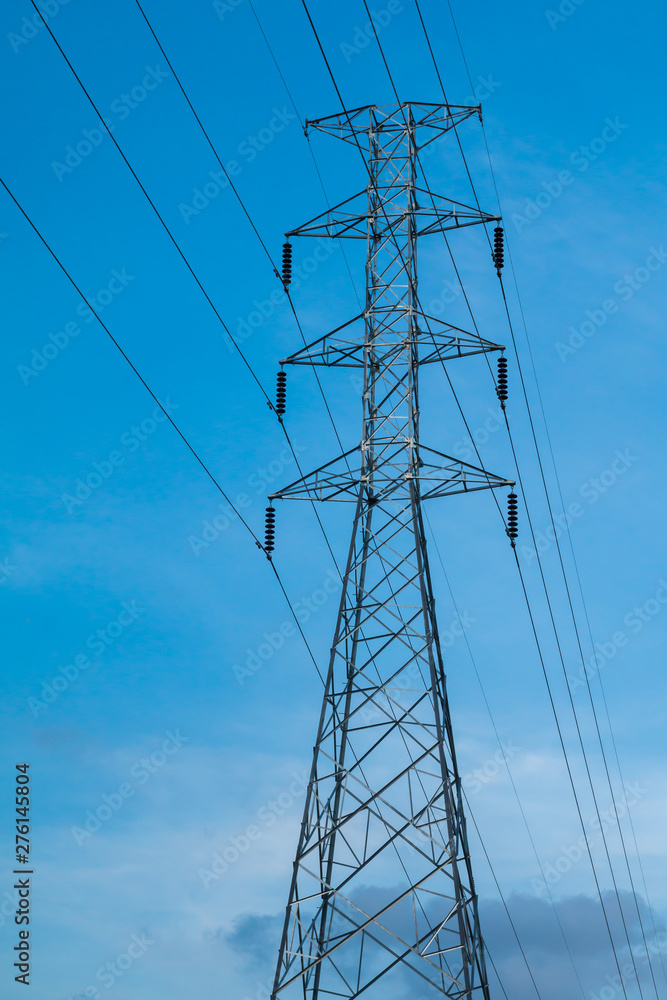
[
  {"x": 433, "y": 119},
  {"x": 386, "y": 473},
  {"x": 342, "y": 222},
  {"x": 345, "y": 348}
]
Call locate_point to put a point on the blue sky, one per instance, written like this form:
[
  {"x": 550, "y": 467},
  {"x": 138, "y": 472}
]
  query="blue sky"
[{"x": 572, "y": 100}]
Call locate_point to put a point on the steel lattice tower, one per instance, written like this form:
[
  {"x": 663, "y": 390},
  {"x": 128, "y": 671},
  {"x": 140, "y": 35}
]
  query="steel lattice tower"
[{"x": 382, "y": 901}]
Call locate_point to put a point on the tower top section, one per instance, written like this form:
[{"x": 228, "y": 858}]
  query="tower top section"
[{"x": 431, "y": 119}]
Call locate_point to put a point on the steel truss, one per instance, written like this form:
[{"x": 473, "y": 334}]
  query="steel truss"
[{"x": 382, "y": 900}]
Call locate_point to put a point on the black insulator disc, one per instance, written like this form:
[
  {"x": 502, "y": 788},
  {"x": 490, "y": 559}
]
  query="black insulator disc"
[
  {"x": 281, "y": 392},
  {"x": 498, "y": 249},
  {"x": 287, "y": 263},
  {"x": 270, "y": 530}
]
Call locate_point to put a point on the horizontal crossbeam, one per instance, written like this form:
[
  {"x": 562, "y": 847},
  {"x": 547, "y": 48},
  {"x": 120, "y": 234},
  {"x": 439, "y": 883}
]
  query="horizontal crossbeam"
[
  {"x": 389, "y": 475},
  {"x": 342, "y": 222},
  {"x": 431, "y": 339}
]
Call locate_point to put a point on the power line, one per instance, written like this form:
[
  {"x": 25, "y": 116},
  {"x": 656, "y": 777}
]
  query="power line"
[
  {"x": 361, "y": 152},
  {"x": 256, "y": 231},
  {"x": 168, "y": 416},
  {"x": 569, "y": 688},
  {"x": 208, "y": 139},
  {"x": 384, "y": 59},
  {"x": 509, "y": 770},
  {"x": 264, "y": 248},
  {"x": 268, "y": 255},
  {"x": 238, "y": 196},
  {"x": 387, "y": 584},
  {"x": 545, "y": 488},
  {"x": 175, "y": 242},
  {"x": 301, "y": 122},
  {"x": 502, "y": 897},
  {"x": 153, "y": 206}
]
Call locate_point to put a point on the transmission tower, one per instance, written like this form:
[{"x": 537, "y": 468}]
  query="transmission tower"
[{"x": 382, "y": 901}]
